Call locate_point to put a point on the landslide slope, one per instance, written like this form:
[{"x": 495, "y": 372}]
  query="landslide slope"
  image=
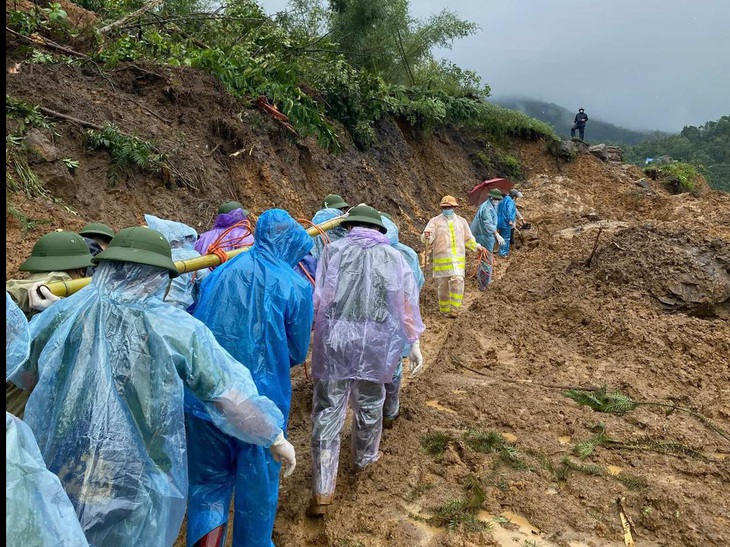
[{"x": 647, "y": 315}]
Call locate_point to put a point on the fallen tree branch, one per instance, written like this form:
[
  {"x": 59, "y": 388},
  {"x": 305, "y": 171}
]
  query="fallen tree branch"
[
  {"x": 45, "y": 42},
  {"x": 522, "y": 382},
  {"x": 141, "y": 11},
  {"x": 595, "y": 246}
]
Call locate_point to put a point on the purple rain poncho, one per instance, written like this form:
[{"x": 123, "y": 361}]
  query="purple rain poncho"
[
  {"x": 366, "y": 309},
  {"x": 238, "y": 236}
]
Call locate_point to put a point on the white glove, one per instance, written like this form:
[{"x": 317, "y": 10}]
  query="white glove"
[
  {"x": 38, "y": 302},
  {"x": 415, "y": 358},
  {"x": 283, "y": 452},
  {"x": 500, "y": 239},
  {"x": 479, "y": 248}
]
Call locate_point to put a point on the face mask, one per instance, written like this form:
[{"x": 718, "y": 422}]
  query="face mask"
[{"x": 448, "y": 212}]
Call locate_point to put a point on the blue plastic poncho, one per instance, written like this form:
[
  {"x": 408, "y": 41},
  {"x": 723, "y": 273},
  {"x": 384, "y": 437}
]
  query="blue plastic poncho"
[
  {"x": 260, "y": 309},
  {"x": 366, "y": 309},
  {"x": 485, "y": 224},
  {"x": 506, "y": 212},
  {"x": 184, "y": 288},
  {"x": 37, "y": 510},
  {"x": 334, "y": 234},
  {"x": 108, "y": 365}
]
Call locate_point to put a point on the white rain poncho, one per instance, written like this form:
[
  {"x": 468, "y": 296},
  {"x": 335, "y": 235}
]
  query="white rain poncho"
[
  {"x": 184, "y": 288},
  {"x": 449, "y": 238},
  {"x": 38, "y": 512},
  {"x": 366, "y": 309},
  {"x": 333, "y": 234},
  {"x": 109, "y": 365}
]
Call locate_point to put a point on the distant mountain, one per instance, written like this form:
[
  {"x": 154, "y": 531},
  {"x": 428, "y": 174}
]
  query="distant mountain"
[{"x": 561, "y": 119}]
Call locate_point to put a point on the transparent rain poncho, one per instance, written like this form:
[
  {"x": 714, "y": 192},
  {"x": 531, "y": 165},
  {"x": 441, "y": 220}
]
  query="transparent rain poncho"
[
  {"x": 184, "y": 288},
  {"x": 333, "y": 235},
  {"x": 409, "y": 254},
  {"x": 485, "y": 224},
  {"x": 366, "y": 309},
  {"x": 37, "y": 510},
  {"x": 109, "y": 364}
]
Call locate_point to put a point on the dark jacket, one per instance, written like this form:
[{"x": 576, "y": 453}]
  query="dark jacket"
[{"x": 580, "y": 119}]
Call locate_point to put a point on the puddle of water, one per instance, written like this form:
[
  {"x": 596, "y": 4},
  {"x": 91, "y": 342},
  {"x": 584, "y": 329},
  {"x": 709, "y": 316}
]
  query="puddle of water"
[
  {"x": 564, "y": 439},
  {"x": 510, "y": 538},
  {"x": 509, "y": 437},
  {"x": 435, "y": 404},
  {"x": 613, "y": 470}
]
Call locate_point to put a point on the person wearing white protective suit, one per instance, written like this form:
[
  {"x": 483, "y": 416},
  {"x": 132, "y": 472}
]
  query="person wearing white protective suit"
[
  {"x": 37, "y": 510},
  {"x": 391, "y": 406},
  {"x": 366, "y": 310},
  {"x": 449, "y": 236},
  {"x": 110, "y": 365}
]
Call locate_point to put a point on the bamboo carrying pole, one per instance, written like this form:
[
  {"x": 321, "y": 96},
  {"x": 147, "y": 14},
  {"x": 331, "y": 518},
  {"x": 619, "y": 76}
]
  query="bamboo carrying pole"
[{"x": 66, "y": 288}]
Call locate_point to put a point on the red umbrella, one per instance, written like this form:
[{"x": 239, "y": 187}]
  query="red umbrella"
[{"x": 480, "y": 192}]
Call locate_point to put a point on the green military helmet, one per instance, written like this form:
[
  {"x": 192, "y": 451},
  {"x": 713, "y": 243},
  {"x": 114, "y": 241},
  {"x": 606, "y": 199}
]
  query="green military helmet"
[
  {"x": 140, "y": 246},
  {"x": 231, "y": 206},
  {"x": 58, "y": 252},
  {"x": 97, "y": 229},
  {"x": 333, "y": 201},
  {"x": 366, "y": 215},
  {"x": 495, "y": 194}
]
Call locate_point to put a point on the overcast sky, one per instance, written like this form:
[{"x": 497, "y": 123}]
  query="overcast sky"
[{"x": 640, "y": 64}]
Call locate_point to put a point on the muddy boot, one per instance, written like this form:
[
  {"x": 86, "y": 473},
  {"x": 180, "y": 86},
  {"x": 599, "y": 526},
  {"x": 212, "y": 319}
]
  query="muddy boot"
[
  {"x": 318, "y": 505},
  {"x": 389, "y": 422}
]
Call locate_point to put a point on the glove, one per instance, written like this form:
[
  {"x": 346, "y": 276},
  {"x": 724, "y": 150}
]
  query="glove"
[
  {"x": 38, "y": 302},
  {"x": 479, "y": 248},
  {"x": 500, "y": 239},
  {"x": 415, "y": 358},
  {"x": 283, "y": 452}
]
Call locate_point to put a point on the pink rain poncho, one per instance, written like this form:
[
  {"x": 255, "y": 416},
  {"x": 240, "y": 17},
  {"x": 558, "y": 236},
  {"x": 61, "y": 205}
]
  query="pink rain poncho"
[
  {"x": 230, "y": 231},
  {"x": 366, "y": 309}
]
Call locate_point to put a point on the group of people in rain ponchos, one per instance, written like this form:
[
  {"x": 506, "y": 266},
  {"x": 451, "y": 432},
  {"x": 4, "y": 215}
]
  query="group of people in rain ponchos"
[{"x": 155, "y": 393}]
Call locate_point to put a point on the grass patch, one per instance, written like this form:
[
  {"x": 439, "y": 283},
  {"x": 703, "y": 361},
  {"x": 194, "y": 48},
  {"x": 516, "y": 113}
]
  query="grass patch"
[
  {"x": 462, "y": 513},
  {"x": 26, "y": 224},
  {"x": 435, "y": 443},
  {"x": 419, "y": 491}
]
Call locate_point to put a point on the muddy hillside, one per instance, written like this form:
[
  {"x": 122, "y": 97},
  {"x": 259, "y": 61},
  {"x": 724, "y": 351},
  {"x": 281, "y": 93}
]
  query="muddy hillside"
[{"x": 506, "y": 438}]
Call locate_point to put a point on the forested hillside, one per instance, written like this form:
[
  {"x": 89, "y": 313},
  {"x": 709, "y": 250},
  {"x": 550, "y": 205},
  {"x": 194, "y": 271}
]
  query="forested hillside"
[{"x": 707, "y": 147}]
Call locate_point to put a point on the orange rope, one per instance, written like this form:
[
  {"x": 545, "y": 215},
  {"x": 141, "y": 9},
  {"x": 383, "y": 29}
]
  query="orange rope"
[
  {"x": 322, "y": 233},
  {"x": 235, "y": 242},
  {"x": 306, "y": 273},
  {"x": 483, "y": 256}
]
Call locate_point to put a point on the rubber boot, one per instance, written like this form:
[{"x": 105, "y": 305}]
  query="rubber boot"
[
  {"x": 318, "y": 505},
  {"x": 214, "y": 538}
]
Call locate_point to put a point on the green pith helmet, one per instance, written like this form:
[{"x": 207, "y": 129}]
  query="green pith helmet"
[
  {"x": 333, "y": 201},
  {"x": 141, "y": 246},
  {"x": 367, "y": 215},
  {"x": 231, "y": 206},
  {"x": 58, "y": 252},
  {"x": 495, "y": 194},
  {"x": 97, "y": 229}
]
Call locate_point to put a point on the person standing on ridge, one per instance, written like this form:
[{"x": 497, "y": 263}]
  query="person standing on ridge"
[
  {"x": 579, "y": 123},
  {"x": 449, "y": 236},
  {"x": 231, "y": 230}
]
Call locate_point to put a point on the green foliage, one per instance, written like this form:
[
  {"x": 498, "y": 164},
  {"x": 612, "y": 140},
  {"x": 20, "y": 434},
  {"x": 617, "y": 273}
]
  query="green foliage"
[
  {"x": 706, "y": 147},
  {"x": 27, "y": 115},
  {"x": 52, "y": 19},
  {"x": 461, "y": 513},
  {"x": 486, "y": 443},
  {"x": 127, "y": 152},
  {"x": 23, "y": 179},
  {"x": 684, "y": 174},
  {"x": 27, "y": 224},
  {"x": 435, "y": 443},
  {"x": 602, "y": 400},
  {"x": 70, "y": 164}
]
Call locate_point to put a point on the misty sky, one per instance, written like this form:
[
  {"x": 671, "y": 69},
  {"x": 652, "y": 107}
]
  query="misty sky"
[{"x": 640, "y": 64}]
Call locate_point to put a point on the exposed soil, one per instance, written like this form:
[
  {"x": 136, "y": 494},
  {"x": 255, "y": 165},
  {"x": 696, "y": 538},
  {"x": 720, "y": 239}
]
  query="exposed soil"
[{"x": 648, "y": 315}]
